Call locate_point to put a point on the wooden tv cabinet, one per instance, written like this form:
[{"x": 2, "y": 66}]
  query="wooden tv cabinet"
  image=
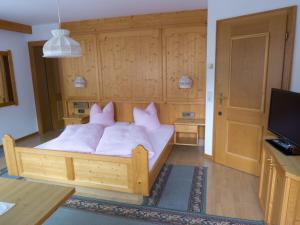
[{"x": 279, "y": 188}]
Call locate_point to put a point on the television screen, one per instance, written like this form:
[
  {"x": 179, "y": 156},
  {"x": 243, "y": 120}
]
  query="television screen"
[{"x": 284, "y": 117}]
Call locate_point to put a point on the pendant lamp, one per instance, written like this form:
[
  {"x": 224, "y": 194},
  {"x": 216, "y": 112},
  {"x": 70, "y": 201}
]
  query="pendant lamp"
[{"x": 61, "y": 45}]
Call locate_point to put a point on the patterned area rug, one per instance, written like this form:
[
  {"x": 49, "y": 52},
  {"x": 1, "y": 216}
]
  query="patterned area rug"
[
  {"x": 152, "y": 215},
  {"x": 181, "y": 188}
]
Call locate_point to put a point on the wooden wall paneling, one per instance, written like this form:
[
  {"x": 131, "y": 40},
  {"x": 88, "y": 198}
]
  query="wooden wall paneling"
[
  {"x": 171, "y": 111},
  {"x": 148, "y": 83},
  {"x": 124, "y": 110},
  {"x": 86, "y": 66},
  {"x": 289, "y": 47},
  {"x": 167, "y": 112},
  {"x": 158, "y": 20},
  {"x": 117, "y": 63},
  {"x": 131, "y": 65},
  {"x": 139, "y": 60},
  {"x": 185, "y": 52}
]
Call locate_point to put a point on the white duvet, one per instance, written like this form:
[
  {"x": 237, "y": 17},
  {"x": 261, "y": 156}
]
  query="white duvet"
[
  {"x": 76, "y": 138},
  {"x": 121, "y": 140}
]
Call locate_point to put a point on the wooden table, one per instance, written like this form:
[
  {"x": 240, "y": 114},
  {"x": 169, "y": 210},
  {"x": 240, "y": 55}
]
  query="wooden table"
[{"x": 35, "y": 202}]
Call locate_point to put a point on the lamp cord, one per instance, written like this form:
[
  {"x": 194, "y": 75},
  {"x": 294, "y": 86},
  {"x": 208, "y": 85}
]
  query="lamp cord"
[{"x": 58, "y": 13}]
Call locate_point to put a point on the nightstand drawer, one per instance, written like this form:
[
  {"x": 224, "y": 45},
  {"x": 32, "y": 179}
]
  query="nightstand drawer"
[{"x": 186, "y": 128}]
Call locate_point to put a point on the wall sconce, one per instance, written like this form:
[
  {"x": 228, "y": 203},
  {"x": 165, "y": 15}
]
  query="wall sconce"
[
  {"x": 79, "y": 82},
  {"x": 185, "y": 82}
]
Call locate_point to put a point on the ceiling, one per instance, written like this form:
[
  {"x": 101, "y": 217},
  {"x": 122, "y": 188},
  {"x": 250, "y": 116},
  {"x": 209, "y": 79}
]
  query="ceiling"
[{"x": 33, "y": 12}]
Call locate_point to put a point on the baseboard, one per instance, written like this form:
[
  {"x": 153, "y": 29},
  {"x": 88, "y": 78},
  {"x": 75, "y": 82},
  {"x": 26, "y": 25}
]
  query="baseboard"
[
  {"x": 27, "y": 136},
  {"x": 22, "y": 138},
  {"x": 210, "y": 157}
]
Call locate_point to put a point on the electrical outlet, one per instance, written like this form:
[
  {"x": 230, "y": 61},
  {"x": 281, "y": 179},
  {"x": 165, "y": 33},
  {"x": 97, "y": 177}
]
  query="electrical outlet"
[{"x": 188, "y": 115}]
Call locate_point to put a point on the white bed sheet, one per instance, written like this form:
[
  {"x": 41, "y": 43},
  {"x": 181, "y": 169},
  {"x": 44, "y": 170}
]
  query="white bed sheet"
[
  {"x": 159, "y": 139},
  {"x": 63, "y": 143}
]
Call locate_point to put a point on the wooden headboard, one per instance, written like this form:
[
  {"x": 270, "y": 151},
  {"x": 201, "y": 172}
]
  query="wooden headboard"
[
  {"x": 135, "y": 60},
  {"x": 167, "y": 112}
]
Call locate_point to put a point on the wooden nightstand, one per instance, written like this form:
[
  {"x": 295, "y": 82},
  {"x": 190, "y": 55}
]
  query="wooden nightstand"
[
  {"x": 187, "y": 131},
  {"x": 76, "y": 119}
]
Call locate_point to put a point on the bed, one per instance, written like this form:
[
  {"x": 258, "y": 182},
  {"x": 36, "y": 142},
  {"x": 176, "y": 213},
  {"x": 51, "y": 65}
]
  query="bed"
[{"x": 135, "y": 174}]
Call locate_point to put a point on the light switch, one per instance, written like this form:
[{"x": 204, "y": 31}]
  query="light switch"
[
  {"x": 210, "y": 66},
  {"x": 210, "y": 96}
]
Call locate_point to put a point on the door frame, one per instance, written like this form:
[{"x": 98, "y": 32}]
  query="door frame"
[
  {"x": 31, "y": 46},
  {"x": 288, "y": 56}
]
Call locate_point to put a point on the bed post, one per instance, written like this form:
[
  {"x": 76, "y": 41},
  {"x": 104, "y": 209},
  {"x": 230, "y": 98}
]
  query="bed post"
[
  {"x": 140, "y": 171},
  {"x": 10, "y": 155}
]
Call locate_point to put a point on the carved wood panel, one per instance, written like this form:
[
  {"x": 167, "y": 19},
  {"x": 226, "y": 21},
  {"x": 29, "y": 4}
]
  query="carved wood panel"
[
  {"x": 185, "y": 54},
  {"x": 128, "y": 62},
  {"x": 131, "y": 65},
  {"x": 248, "y": 83},
  {"x": 86, "y": 66}
]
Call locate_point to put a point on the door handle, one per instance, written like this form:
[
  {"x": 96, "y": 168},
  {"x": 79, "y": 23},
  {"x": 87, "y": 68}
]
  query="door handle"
[{"x": 221, "y": 98}]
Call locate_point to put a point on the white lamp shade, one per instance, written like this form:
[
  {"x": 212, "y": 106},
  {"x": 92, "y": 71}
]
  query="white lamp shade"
[
  {"x": 185, "y": 82},
  {"x": 79, "y": 82},
  {"x": 61, "y": 45}
]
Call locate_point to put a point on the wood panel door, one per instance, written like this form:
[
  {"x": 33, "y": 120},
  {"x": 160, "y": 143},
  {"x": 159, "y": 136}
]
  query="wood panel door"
[
  {"x": 54, "y": 92},
  {"x": 47, "y": 89},
  {"x": 42, "y": 99},
  {"x": 250, "y": 59}
]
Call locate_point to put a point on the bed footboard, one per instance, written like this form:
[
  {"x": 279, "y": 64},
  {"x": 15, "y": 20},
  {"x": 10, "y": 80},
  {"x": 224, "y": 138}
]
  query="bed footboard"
[{"x": 114, "y": 173}]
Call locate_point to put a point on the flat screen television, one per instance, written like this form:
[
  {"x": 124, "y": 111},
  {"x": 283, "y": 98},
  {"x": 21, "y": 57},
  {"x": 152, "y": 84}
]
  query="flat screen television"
[{"x": 284, "y": 120}]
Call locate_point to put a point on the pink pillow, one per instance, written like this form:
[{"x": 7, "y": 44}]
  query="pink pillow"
[
  {"x": 105, "y": 117},
  {"x": 147, "y": 118}
]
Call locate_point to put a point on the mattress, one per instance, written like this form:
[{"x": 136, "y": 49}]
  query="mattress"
[{"x": 159, "y": 139}]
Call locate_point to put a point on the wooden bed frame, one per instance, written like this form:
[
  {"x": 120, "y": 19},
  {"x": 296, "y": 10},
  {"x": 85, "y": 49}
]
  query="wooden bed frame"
[{"x": 123, "y": 174}]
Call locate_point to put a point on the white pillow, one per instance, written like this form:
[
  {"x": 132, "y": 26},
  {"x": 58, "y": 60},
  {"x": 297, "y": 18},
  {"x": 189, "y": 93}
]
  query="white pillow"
[
  {"x": 105, "y": 117},
  {"x": 147, "y": 118}
]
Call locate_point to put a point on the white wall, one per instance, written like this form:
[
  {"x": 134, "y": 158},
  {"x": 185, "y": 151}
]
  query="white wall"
[
  {"x": 218, "y": 9},
  {"x": 18, "y": 120},
  {"x": 41, "y": 32}
]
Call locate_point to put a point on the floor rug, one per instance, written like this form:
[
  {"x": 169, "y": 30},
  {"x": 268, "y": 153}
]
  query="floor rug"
[
  {"x": 148, "y": 215},
  {"x": 181, "y": 188},
  {"x": 89, "y": 211}
]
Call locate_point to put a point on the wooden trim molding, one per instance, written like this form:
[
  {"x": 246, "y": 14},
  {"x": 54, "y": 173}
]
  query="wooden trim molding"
[
  {"x": 31, "y": 46},
  {"x": 15, "y": 27},
  {"x": 158, "y": 20},
  {"x": 13, "y": 97},
  {"x": 289, "y": 47}
]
